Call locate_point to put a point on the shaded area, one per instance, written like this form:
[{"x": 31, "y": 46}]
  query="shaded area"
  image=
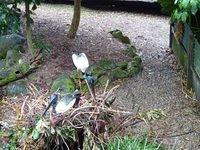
[{"x": 147, "y": 7}]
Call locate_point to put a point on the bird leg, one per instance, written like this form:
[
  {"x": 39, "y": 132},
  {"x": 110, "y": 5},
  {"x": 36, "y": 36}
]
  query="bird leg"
[{"x": 90, "y": 90}]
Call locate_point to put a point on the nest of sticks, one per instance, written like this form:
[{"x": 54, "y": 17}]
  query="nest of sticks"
[{"x": 89, "y": 126}]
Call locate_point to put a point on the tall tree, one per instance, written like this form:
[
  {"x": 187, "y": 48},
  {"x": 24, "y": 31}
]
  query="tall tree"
[{"x": 75, "y": 20}]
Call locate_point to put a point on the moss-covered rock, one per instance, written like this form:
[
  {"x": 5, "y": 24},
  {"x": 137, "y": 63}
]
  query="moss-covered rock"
[
  {"x": 4, "y": 73},
  {"x": 64, "y": 84},
  {"x": 2, "y": 64},
  {"x": 12, "y": 58},
  {"x": 10, "y": 42},
  {"x": 16, "y": 88}
]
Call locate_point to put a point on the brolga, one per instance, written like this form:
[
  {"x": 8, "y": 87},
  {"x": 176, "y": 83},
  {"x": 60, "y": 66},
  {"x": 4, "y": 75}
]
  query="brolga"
[
  {"x": 82, "y": 64},
  {"x": 62, "y": 103}
]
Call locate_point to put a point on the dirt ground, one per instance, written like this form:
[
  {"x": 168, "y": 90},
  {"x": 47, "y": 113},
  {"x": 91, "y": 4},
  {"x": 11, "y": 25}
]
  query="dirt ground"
[{"x": 158, "y": 86}]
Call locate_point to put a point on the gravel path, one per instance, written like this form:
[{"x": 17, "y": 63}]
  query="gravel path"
[{"x": 159, "y": 84}]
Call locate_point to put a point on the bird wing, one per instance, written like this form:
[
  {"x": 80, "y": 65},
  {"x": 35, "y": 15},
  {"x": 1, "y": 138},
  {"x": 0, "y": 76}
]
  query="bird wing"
[
  {"x": 62, "y": 107},
  {"x": 80, "y": 61}
]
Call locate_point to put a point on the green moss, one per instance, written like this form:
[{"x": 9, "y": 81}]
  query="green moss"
[
  {"x": 12, "y": 58},
  {"x": 64, "y": 84}
]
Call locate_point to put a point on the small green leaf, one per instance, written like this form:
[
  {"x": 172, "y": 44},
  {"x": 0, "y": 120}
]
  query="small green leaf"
[
  {"x": 35, "y": 134},
  {"x": 194, "y": 6},
  {"x": 184, "y": 16},
  {"x": 184, "y": 4}
]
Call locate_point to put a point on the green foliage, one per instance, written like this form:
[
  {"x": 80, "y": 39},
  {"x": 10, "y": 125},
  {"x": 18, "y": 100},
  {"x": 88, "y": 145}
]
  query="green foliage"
[
  {"x": 180, "y": 10},
  {"x": 9, "y": 20},
  {"x": 128, "y": 143},
  {"x": 167, "y": 6},
  {"x": 184, "y": 9},
  {"x": 14, "y": 136},
  {"x": 64, "y": 84},
  {"x": 40, "y": 43}
]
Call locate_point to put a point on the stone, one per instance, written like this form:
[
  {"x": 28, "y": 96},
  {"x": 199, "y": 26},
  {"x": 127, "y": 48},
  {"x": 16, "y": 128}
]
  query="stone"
[
  {"x": 16, "y": 88},
  {"x": 2, "y": 64},
  {"x": 12, "y": 58},
  {"x": 63, "y": 84},
  {"x": 4, "y": 73},
  {"x": 10, "y": 42}
]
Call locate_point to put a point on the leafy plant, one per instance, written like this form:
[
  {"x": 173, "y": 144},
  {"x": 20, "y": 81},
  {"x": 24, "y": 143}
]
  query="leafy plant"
[
  {"x": 9, "y": 20},
  {"x": 180, "y": 10},
  {"x": 129, "y": 143},
  {"x": 167, "y": 6},
  {"x": 184, "y": 9}
]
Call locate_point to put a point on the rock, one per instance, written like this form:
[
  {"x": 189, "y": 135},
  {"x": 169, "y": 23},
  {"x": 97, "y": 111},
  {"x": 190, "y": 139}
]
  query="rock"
[
  {"x": 12, "y": 58},
  {"x": 2, "y": 64},
  {"x": 10, "y": 42},
  {"x": 16, "y": 88},
  {"x": 4, "y": 73},
  {"x": 64, "y": 84}
]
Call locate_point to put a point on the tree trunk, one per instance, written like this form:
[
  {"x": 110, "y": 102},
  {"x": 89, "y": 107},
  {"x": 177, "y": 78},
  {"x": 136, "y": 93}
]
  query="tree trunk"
[
  {"x": 28, "y": 29},
  {"x": 76, "y": 19}
]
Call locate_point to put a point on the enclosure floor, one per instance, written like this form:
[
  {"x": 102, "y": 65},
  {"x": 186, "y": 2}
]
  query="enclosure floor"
[{"x": 158, "y": 86}]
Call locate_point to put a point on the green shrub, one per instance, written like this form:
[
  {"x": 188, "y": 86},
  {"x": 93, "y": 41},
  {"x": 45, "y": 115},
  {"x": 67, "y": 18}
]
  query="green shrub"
[
  {"x": 167, "y": 6},
  {"x": 9, "y": 20}
]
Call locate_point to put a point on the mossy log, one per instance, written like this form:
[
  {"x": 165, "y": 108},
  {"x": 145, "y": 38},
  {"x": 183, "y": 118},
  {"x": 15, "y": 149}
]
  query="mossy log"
[
  {"x": 19, "y": 71},
  {"x": 15, "y": 75}
]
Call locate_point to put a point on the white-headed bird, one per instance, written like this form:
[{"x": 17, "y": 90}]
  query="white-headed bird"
[{"x": 80, "y": 61}]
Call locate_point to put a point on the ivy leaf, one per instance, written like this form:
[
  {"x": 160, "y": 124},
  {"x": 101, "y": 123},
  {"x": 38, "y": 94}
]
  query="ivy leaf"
[
  {"x": 194, "y": 6},
  {"x": 176, "y": 1},
  {"x": 35, "y": 134},
  {"x": 176, "y": 15},
  {"x": 184, "y": 4},
  {"x": 184, "y": 16}
]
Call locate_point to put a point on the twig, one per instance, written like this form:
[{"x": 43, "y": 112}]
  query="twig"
[
  {"x": 107, "y": 82},
  {"x": 22, "y": 108},
  {"x": 93, "y": 96}
]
